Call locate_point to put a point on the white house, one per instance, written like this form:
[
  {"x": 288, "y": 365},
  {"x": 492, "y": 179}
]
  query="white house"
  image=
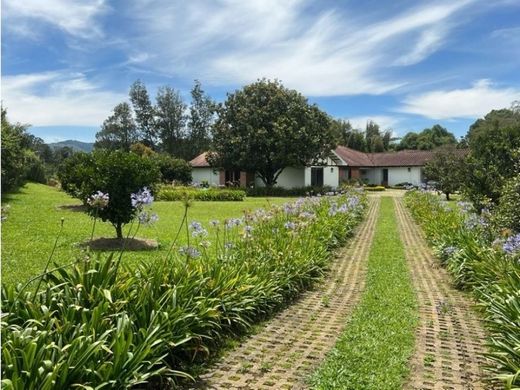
[{"x": 388, "y": 169}]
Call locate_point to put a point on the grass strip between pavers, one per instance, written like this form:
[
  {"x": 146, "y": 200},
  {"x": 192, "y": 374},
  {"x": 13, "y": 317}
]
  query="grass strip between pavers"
[{"x": 378, "y": 340}]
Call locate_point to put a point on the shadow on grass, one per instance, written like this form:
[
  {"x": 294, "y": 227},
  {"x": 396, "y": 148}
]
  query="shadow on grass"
[
  {"x": 116, "y": 244},
  {"x": 77, "y": 208}
]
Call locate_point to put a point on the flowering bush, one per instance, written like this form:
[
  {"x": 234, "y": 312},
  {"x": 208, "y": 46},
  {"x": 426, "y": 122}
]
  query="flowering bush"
[
  {"x": 117, "y": 173},
  {"x": 487, "y": 265},
  {"x": 100, "y": 325}
]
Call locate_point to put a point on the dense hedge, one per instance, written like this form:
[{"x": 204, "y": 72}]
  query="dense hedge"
[
  {"x": 170, "y": 193},
  {"x": 98, "y": 324},
  {"x": 374, "y": 188},
  {"x": 282, "y": 192},
  {"x": 483, "y": 263}
]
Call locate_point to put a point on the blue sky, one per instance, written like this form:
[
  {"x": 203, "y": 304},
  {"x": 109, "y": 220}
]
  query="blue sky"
[{"x": 405, "y": 64}]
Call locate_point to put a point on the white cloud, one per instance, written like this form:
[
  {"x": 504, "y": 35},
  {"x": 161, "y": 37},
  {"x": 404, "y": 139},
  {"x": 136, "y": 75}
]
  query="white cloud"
[
  {"x": 57, "y": 98},
  {"x": 384, "y": 121},
  {"x": 76, "y": 17},
  {"x": 319, "y": 53},
  {"x": 471, "y": 102}
]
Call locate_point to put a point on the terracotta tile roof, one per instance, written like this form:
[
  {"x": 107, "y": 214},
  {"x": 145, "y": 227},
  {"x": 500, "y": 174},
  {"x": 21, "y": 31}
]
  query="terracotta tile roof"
[
  {"x": 200, "y": 161},
  {"x": 353, "y": 157},
  {"x": 403, "y": 158}
]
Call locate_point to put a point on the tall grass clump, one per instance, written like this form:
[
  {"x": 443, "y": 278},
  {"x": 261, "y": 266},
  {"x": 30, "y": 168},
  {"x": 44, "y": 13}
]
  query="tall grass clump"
[
  {"x": 101, "y": 324},
  {"x": 484, "y": 260}
]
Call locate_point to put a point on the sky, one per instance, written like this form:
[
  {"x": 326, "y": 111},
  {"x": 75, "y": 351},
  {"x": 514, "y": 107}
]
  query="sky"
[{"x": 405, "y": 64}]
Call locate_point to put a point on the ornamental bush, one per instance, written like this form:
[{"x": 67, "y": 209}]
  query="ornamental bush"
[
  {"x": 116, "y": 173},
  {"x": 171, "y": 193},
  {"x": 173, "y": 169}
]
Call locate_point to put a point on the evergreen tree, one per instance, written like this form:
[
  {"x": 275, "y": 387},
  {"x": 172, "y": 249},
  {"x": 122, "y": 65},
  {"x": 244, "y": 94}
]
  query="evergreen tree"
[
  {"x": 118, "y": 131},
  {"x": 170, "y": 120},
  {"x": 144, "y": 114},
  {"x": 202, "y": 115}
]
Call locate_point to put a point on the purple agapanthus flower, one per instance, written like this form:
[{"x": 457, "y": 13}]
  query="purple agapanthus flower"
[
  {"x": 512, "y": 245},
  {"x": 141, "y": 198},
  {"x": 449, "y": 250},
  {"x": 290, "y": 225},
  {"x": 146, "y": 218},
  {"x": 197, "y": 230},
  {"x": 190, "y": 252},
  {"x": 98, "y": 200}
]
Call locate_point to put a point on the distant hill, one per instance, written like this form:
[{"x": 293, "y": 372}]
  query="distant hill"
[{"x": 76, "y": 145}]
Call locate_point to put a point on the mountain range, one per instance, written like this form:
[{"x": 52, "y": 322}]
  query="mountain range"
[{"x": 76, "y": 145}]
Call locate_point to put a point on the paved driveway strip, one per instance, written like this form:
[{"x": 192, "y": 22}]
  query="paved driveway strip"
[
  {"x": 450, "y": 337},
  {"x": 294, "y": 342}
]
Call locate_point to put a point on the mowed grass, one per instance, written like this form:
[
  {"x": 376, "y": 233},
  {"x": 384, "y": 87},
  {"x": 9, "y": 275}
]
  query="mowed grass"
[
  {"x": 34, "y": 219},
  {"x": 375, "y": 347}
]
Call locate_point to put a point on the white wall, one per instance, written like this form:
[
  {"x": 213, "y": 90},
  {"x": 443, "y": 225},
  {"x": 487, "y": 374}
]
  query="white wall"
[
  {"x": 374, "y": 175},
  {"x": 330, "y": 174},
  {"x": 289, "y": 178},
  {"x": 398, "y": 175},
  {"x": 205, "y": 174}
]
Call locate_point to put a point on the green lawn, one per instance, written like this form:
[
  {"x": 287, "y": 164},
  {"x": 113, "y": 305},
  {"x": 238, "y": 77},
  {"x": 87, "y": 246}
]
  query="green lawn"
[
  {"x": 374, "y": 349},
  {"x": 33, "y": 222}
]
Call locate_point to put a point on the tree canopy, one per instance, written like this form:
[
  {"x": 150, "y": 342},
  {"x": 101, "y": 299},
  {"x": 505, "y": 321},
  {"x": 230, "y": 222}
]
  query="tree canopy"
[
  {"x": 493, "y": 141},
  {"x": 266, "y": 127},
  {"x": 446, "y": 169},
  {"x": 116, "y": 173},
  {"x": 119, "y": 130},
  {"x": 427, "y": 139}
]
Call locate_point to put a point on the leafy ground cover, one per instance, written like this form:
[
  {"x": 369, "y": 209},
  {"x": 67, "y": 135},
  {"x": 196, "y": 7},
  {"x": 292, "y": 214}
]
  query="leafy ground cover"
[
  {"x": 374, "y": 349},
  {"x": 34, "y": 217},
  {"x": 100, "y": 324},
  {"x": 483, "y": 263}
]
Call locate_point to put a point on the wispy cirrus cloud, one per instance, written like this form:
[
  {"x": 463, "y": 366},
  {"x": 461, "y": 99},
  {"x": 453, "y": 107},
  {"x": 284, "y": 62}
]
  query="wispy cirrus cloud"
[
  {"x": 75, "y": 17},
  {"x": 327, "y": 52},
  {"x": 473, "y": 102},
  {"x": 57, "y": 98}
]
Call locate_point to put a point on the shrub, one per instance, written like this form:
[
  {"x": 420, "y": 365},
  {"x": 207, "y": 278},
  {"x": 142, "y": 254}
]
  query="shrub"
[
  {"x": 171, "y": 193},
  {"x": 507, "y": 214},
  {"x": 374, "y": 188},
  {"x": 118, "y": 174},
  {"x": 480, "y": 262},
  {"x": 97, "y": 324},
  {"x": 282, "y": 192},
  {"x": 173, "y": 169}
]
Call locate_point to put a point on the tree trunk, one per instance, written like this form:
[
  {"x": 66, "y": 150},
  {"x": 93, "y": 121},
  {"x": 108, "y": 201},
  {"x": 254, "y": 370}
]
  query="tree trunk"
[
  {"x": 119, "y": 230},
  {"x": 447, "y": 195}
]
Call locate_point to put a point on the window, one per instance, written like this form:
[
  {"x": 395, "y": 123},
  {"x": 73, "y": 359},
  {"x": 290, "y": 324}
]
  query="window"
[
  {"x": 232, "y": 178},
  {"x": 317, "y": 177}
]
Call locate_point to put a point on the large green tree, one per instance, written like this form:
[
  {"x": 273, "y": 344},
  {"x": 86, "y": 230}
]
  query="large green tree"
[
  {"x": 446, "y": 169},
  {"x": 144, "y": 114},
  {"x": 493, "y": 142},
  {"x": 266, "y": 127},
  {"x": 202, "y": 116},
  {"x": 119, "y": 130},
  {"x": 22, "y": 155},
  {"x": 428, "y": 139},
  {"x": 170, "y": 112},
  {"x": 348, "y": 136}
]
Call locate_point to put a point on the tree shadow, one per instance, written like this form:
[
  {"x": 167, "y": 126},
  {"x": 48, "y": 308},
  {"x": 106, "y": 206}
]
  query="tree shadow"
[{"x": 117, "y": 244}]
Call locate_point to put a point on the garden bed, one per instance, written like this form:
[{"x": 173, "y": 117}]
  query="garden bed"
[{"x": 119, "y": 326}]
